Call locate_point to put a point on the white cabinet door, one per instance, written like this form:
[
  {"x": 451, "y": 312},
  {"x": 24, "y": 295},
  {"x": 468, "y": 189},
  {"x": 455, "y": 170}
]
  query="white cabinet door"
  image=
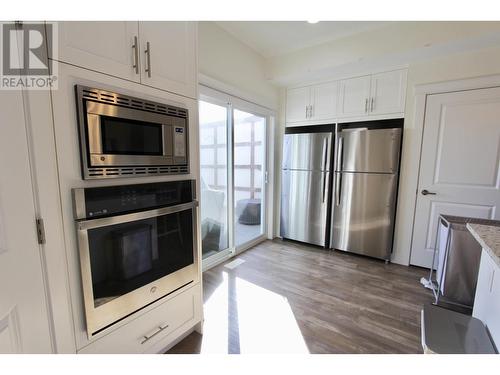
[
  {"x": 297, "y": 102},
  {"x": 24, "y": 324},
  {"x": 107, "y": 47},
  {"x": 170, "y": 61},
  {"x": 354, "y": 96},
  {"x": 487, "y": 299},
  {"x": 388, "y": 92},
  {"x": 324, "y": 101}
]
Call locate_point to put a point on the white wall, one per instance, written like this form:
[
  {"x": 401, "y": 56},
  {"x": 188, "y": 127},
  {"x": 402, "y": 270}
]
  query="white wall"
[
  {"x": 223, "y": 57},
  {"x": 398, "y": 43}
]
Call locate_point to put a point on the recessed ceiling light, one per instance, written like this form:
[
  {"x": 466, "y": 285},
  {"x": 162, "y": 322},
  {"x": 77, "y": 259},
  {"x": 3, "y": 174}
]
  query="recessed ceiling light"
[{"x": 312, "y": 21}]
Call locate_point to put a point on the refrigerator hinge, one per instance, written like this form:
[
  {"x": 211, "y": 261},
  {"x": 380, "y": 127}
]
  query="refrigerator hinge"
[{"x": 40, "y": 231}]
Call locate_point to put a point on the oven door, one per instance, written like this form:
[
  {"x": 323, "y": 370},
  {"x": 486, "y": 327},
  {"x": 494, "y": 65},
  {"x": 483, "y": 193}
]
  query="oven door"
[
  {"x": 132, "y": 260},
  {"x": 119, "y": 136}
]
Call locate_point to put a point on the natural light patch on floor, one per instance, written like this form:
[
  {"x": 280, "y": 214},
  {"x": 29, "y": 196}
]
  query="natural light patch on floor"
[
  {"x": 266, "y": 321},
  {"x": 215, "y": 327},
  {"x": 242, "y": 317}
]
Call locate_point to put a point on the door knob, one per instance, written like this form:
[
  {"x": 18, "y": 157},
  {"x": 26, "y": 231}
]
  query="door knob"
[{"x": 427, "y": 192}]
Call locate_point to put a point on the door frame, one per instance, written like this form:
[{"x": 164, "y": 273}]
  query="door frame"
[
  {"x": 226, "y": 98},
  {"x": 421, "y": 93}
]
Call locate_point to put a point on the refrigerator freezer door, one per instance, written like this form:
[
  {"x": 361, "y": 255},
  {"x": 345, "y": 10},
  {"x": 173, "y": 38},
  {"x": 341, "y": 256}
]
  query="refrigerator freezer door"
[
  {"x": 363, "y": 150},
  {"x": 304, "y": 201},
  {"x": 307, "y": 151},
  {"x": 363, "y": 213}
]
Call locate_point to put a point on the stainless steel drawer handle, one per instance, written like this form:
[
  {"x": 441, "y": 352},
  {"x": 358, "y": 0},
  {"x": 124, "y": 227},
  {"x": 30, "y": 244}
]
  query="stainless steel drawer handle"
[
  {"x": 146, "y": 338},
  {"x": 427, "y": 192}
]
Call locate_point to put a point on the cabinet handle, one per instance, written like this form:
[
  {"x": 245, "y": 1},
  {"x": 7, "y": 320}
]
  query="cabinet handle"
[
  {"x": 366, "y": 105},
  {"x": 148, "y": 59},
  {"x": 372, "y": 105},
  {"x": 307, "y": 111},
  {"x": 146, "y": 338},
  {"x": 135, "y": 47},
  {"x": 311, "y": 111}
]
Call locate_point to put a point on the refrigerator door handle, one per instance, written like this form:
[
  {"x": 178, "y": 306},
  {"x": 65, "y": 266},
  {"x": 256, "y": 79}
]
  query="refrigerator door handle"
[
  {"x": 340, "y": 155},
  {"x": 323, "y": 172},
  {"x": 338, "y": 184},
  {"x": 323, "y": 187},
  {"x": 325, "y": 150}
]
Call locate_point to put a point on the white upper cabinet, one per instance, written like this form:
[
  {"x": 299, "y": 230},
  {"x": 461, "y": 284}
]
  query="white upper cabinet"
[
  {"x": 168, "y": 56},
  {"x": 369, "y": 97},
  {"x": 312, "y": 104},
  {"x": 106, "y": 47},
  {"x": 297, "y": 104},
  {"x": 324, "y": 101},
  {"x": 157, "y": 54},
  {"x": 388, "y": 91},
  {"x": 354, "y": 96}
]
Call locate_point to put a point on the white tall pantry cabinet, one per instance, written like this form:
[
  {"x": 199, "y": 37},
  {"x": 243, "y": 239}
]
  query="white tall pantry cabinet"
[{"x": 107, "y": 55}]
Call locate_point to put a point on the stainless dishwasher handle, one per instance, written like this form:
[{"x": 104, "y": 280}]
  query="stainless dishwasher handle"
[
  {"x": 146, "y": 338},
  {"x": 148, "y": 59}
]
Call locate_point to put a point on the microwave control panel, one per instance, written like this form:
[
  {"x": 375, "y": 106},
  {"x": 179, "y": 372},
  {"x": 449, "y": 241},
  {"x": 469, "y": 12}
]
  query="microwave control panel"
[{"x": 179, "y": 141}]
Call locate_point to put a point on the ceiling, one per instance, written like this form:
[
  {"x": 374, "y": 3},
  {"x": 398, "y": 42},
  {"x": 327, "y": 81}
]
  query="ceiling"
[{"x": 275, "y": 38}]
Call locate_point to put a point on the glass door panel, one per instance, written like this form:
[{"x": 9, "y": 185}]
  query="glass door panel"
[
  {"x": 249, "y": 167},
  {"x": 214, "y": 178}
]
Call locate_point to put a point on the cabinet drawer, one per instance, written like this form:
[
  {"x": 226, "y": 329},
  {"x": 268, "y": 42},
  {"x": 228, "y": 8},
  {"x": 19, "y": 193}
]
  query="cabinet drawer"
[{"x": 153, "y": 327}]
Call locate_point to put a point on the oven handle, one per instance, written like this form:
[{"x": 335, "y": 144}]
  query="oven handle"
[{"x": 106, "y": 221}]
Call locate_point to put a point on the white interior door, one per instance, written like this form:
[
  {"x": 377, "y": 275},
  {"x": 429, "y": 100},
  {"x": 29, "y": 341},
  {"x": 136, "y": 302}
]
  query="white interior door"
[
  {"x": 24, "y": 325},
  {"x": 459, "y": 163}
]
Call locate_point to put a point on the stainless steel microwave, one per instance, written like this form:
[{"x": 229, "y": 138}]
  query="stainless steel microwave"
[{"x": 123, "y": 136}]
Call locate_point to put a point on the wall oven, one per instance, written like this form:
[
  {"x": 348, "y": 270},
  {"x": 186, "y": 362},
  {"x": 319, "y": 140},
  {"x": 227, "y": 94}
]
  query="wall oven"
[
  {"x": 137, "y": 244},
  {"x": 123, "y": 136}
]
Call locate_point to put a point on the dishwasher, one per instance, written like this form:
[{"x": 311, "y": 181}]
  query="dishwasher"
[{"x": 458, "y": 255}]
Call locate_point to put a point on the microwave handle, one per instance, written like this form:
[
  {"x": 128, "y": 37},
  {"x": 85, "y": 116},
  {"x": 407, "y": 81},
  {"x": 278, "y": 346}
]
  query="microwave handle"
[{"x": 112, "y": 220}]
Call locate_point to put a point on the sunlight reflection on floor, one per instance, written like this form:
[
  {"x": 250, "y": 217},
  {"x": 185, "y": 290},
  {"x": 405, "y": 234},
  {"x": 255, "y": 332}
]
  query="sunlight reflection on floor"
[{"x": 243, "y": 317}]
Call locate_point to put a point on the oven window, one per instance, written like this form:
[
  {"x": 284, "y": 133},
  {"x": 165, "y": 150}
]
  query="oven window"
[
  {"x": 124, "y": 257},
  {"x": 129, "y": 137}
]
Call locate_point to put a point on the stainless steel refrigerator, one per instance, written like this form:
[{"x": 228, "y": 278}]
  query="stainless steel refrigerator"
[
  {"x": 306, "y": 186},
  {"x": 366, "y": 169}
]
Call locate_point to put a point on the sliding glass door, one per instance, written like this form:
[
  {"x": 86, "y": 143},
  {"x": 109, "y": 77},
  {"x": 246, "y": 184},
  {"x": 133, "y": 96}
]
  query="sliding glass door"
[
  {"x": 249, "y": 169},
  {"x": 233, "y": 176},
  {"x": 214, "y": 178}
]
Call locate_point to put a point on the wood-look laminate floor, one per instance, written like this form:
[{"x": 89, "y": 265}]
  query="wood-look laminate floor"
[{"x": 291, "y": 298}]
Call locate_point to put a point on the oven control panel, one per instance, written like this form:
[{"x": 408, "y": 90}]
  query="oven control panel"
[{"x": 114, "y": 200}]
